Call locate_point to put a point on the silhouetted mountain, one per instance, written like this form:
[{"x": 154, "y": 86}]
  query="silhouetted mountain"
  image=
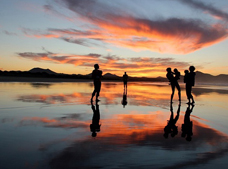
[
  {"x": 109, "y": 75},
  {"x": 207, "y": 78},
  {"x": 40, "y": 70},
  {"x": 47, "y": 73}
]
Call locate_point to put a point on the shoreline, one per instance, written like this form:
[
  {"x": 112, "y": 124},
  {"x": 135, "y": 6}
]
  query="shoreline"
[
  {"x": 39, "y": 79},
  {"x": 59, "y": 80}
]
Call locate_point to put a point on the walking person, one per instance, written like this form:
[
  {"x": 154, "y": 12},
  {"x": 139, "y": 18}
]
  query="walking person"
[
  {"x": 125, "y": 78},
  {"x": 96, "y": 76},
  {"x": 190, "y": 81},
  {"x": 174, "y": 83}
]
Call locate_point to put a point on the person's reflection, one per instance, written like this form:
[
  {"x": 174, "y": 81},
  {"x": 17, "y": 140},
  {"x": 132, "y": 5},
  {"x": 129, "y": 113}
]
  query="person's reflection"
[
  {"x": 187, "y": 126},
  {"x": 95, "y": 126},
  {"x": 171, "y": 128},
  {"x": 124, "y": 100}
]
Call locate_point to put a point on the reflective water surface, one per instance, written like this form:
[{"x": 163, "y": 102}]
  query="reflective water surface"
[{"x": 54, "y": 125}]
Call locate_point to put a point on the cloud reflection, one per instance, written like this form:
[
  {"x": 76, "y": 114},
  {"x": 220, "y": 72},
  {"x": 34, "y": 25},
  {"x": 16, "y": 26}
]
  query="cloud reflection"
[{"x": 138, "y": 131}]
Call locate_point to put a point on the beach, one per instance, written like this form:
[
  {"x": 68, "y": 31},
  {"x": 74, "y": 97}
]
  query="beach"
[{"x": 48, "y": 125}]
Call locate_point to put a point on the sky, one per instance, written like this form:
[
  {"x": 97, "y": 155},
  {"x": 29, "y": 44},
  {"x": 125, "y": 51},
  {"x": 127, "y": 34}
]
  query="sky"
[{"x": 140, "y": 37}]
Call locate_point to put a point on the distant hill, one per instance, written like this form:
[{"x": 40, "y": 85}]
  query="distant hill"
[
  {"x": 208, "y": 78},
  {"x": 47, "y": 73},
  {"x": 109, "y": 75},
  {"x": 40, "y": 70}
]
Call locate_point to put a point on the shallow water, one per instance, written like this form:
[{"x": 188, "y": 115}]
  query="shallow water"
[{"x": 47, "y": 125}]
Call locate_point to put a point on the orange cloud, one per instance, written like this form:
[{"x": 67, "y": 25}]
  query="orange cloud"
[{"x": 143, "y": 66}]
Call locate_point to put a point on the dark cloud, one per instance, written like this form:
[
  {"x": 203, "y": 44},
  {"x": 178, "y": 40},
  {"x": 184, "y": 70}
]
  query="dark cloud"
[
  {"x": 59, "y": 58},
  {"x": 9, "y": 33},
  {"x": 207, "y": 7},
  {"x": 34, "y": 56},
  {"x": 76, "y": 41}
]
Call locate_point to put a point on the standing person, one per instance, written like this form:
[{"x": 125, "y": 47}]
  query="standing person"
[
  {"x": 125, "y": 78},
  {"x": 174, "y": 84},
  {"x": 189, "y": 83},
  {"x": 186, "y": 81},
  {"x": 96, "y": 75}
]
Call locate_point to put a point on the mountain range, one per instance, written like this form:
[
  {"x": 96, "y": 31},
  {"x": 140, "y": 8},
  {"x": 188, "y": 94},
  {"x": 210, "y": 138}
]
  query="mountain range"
[{"x": 40, "y": 72}]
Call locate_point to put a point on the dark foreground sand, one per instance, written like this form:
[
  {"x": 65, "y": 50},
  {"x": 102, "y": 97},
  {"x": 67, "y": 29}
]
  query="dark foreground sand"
[{"x": 37, "y": 79}]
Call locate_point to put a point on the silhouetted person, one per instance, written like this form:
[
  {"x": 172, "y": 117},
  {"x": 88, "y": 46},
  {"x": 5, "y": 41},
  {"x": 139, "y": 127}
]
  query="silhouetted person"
[
  {"x": 190, "y": 81},
  {"x": 186, "y": 81},
  {"x": 96, "y": 76},
  {"x": 171, "y": 128},
  {"x": 125, "y": 78},
  {"x": 186, "y": 76},
  {"x": 124, "y": 100},
  {"x": 177, "y": 74},
  {"x": 173, "y": 82},
  {"x": 95, "y": 126},
  {"x": 187, "y": 126}
]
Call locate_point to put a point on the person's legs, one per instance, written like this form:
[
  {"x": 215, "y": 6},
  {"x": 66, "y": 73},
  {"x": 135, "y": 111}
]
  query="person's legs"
[
  {"x": 188, "y": 92},
  {"x": 179, "y": 91},
  {"x": 94, "y": 91},
  {"x": 98, "y": 88},
  {"x": 173, "y": 90},
  {"x": 125, "y": 84}
]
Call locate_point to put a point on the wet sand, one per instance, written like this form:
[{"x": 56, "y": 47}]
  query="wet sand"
[{"x": 48, "y": 125}]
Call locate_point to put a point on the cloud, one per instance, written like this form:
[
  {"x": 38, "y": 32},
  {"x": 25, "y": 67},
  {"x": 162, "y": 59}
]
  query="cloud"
[
  {"x": 51, "y": 10},
  {"x": 173, "y": 35},
  {"x": 77, "y": 60},
  {"x": 217, "y": 13},
  {"x": 109, "y": 63},
  {"x": 108, "y": 24},
  {"x": 9, "y": 33}
]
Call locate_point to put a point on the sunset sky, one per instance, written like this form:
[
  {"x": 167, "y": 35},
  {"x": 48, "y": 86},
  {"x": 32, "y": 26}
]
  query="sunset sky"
[{"x": 141, "y": 37}]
